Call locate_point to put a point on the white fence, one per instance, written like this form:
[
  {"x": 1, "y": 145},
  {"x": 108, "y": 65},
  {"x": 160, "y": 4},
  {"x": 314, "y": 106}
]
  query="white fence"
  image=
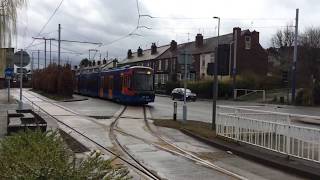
[{"x": 271, "y": 131}]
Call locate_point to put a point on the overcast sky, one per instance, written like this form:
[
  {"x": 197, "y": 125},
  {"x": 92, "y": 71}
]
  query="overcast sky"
[{"x": 106, "y": 21}]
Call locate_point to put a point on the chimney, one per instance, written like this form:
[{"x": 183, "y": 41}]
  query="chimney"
[
  {"x": 90, "y": 63},
  {"x": 104, "y": 61},
  {"x": 173, "y": 45},
  {"x": 199, "y": 40},
  {"x": 153, "y": 48},
  {"x": 99, "y": 63},
  {"x": 93, "y": 63},
  {"x": 238, "y": 31},
  {"x": 139, "y": 52},
  {"x": 115, "y": 63},
  {"x": 129, "y": 54},
  {"x": 255, "y": 37}
]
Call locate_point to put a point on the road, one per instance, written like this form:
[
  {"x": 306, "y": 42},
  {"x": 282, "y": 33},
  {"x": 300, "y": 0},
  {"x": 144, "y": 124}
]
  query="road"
[{"x": 162, "y": 108}]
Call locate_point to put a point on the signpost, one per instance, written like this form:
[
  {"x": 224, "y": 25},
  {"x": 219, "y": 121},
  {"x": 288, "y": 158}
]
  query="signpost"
[
  {"x": 21, "y": 59},
  {"x": 8, "y": 74}
]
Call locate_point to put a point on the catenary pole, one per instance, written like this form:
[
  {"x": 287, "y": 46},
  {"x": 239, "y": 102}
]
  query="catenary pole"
[
  {"x": 215, "y": 83},
  {"x": 59, "y": 43},
  {"x": 294, "y": 64}
]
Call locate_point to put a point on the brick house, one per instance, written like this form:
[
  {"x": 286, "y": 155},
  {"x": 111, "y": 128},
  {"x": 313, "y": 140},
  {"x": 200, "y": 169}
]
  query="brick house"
[{"x": 250, "y": 56}]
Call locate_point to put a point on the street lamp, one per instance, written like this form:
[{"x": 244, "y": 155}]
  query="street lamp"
[{"x": 215, "y": 83}]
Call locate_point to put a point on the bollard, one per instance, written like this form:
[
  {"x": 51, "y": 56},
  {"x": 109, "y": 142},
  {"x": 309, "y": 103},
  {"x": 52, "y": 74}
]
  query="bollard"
[{"x": 175, "y": 104}]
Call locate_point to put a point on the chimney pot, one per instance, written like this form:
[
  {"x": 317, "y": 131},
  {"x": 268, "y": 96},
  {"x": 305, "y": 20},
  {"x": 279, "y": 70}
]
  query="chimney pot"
[
  {"x": 139, "y": 52},
  {"x": 153, "y": 48},
  {"x": 199, "y": 40},
  {"x": 173, "y": 45},
  {"x": 104, "y": 61},
  {"x": 99, "y": 63},
  {"x": 129, "y": 54}
]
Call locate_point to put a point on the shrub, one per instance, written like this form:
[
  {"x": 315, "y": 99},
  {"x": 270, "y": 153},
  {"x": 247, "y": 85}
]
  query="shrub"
[
  {"x": 54, "y": 80},
  {"x": 37, "y": 155}
]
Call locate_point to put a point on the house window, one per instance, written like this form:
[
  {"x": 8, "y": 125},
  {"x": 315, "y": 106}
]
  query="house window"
[
  {"x": 159, "y": 65},
  {"x": 162, "y": 78},
  {"x": 247, "y": 42},
  {"x": 173, "y": 65},
  {"x": 156, "y": 79},
  {"x": 166, "y": 64}
]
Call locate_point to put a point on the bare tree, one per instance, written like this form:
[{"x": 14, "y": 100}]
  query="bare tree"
[
  {"x": 8, "y": 20},
  {"x": 283, "y": 38}
]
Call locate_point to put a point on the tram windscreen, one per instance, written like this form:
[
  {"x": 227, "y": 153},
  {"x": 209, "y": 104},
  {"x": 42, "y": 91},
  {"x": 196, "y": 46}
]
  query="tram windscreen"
[{"x": 143, "y": 81}]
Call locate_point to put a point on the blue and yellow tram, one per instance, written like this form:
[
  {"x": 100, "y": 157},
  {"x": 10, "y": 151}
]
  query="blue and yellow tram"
[{"x": 130, "y": 85}]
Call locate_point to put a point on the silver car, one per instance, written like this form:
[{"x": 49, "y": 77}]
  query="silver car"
[{"x": 178, "y": 93}]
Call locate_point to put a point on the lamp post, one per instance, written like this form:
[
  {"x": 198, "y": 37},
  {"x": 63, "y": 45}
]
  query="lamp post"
[{"x": 215, "y": 83}]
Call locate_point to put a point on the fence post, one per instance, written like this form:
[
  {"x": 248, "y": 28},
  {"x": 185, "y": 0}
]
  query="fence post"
[
  {"x": 264, "y": 95},
  {"x": 235, "y": 94},
  {"x": 288, "y": 137}
]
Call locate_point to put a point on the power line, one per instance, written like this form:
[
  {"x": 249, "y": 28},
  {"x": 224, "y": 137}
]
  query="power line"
[{"x": 45, "y": 25}]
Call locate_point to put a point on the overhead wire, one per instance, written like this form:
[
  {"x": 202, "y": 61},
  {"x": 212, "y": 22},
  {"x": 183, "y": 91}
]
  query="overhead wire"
[{"x": 45, "y": 25}]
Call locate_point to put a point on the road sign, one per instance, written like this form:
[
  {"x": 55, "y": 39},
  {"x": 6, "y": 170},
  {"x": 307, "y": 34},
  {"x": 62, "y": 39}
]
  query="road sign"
[
  {"x": 17, "y": 58},
  {"x": 8, "y": 72}
]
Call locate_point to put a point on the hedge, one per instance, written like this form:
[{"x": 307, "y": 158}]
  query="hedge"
[{"x": 54, "y": 80}]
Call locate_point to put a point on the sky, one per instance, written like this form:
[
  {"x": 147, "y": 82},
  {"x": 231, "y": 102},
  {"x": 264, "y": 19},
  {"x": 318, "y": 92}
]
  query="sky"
[{"x": 111, "y": 21}]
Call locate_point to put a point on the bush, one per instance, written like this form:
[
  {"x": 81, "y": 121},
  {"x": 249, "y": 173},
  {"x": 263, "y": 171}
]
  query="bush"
[
  {"x": 316, "y": 92},
  {"x": 37, "y": 155},
  {"x": 304, "y": 97},
  {"x": 54, "y": 80}
]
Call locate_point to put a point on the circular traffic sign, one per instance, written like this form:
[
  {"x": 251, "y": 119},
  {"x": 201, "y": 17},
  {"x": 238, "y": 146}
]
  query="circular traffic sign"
[{"x": 17, "y": 58}]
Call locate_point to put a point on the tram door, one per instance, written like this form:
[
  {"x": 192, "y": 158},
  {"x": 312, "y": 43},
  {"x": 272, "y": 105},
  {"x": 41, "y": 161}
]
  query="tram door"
[
  {"x": 110, "y": 91},
  {"x": 101, "y": 86}
]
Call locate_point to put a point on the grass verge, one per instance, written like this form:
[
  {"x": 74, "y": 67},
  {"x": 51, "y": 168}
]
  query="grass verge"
[{"x": 201, "y": 128}]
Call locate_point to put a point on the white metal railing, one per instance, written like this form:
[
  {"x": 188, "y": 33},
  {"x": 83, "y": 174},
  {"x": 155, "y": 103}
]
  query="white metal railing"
[{"x": 279, "y": 136}]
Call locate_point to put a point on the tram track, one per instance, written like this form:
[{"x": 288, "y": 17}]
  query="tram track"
[
  {"x": 139, "y": 168},
  {"x": 165, "y": 145}
]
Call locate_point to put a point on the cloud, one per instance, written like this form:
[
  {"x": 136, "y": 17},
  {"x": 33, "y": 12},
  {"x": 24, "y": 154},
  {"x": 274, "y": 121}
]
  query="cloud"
[{"x": 108, "y": 20}]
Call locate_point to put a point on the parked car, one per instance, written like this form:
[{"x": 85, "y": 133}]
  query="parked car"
[{"x": 178, "y": 93}]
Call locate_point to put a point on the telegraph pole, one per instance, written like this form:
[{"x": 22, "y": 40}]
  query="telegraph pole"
[
  {"x": 45, "y": 52},
  {"x": 50, "y": 50},
  {"x": 38, "y": 58},
  {"x": 59, "y": 43},
  {"x": 215, "y": 83},
  {"x": 294, "y": 64}
]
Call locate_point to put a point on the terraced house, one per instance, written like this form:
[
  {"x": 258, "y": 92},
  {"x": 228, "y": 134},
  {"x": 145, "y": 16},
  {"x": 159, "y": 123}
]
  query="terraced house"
[{"x": 239, "y": 52}]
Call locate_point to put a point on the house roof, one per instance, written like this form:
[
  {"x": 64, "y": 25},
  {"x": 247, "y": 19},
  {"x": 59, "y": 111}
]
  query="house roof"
[
  {"x": 145, "y": 56},
  {"x": 208, "y": 46}
]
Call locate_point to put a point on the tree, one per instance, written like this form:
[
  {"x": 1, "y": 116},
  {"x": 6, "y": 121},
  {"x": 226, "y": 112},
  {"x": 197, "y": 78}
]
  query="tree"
[
  {"x": 38, "y": 155},
  {"x": 283, "y": 38},
  {"x": 8, "y": 20},
  {"x": 84, "y": 62}
]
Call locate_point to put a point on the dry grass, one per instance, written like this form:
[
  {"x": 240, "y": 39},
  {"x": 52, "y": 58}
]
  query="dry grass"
[{"x": 199, "y": 128}]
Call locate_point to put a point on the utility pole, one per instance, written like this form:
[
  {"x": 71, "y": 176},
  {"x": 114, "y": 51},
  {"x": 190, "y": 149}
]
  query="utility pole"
[
  {"x": 234, "y": 69},
  {"x": 45, "y": 53},
  {"x": 50, "y": 50},
  {"x": 215, "y": 83},
  {"x": 295, "y": 56},
  {"x": 21, "y": 74},
  {"x": 59, "y": 43},
  {"x": 38, "y": 58},
  {"x": 32, "y": 63},
  {"x": 185, "y": 87}
]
